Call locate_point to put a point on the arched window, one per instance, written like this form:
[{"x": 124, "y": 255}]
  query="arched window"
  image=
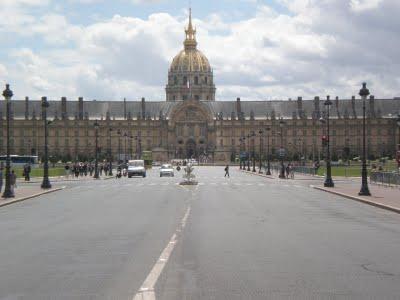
[
  {"x": 175, "y": 80},
  {"x": 205, "y": 80},
  {"x": 196, "y": 80},
  {"x": 184, "y": 80},
  {"x": 174, "y": 97}
]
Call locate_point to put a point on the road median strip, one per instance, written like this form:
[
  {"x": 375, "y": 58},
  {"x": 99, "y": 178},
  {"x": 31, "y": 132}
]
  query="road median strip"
[
  {"x": 9, "y": 202},
  {"x": 359, "y": 199}
]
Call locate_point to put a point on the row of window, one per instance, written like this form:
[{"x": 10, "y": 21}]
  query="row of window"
[{"x": 196, "y": 80}]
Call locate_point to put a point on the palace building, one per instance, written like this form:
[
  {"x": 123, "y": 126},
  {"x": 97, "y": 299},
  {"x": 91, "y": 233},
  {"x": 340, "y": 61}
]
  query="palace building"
[{"x": 191, "y": 123}]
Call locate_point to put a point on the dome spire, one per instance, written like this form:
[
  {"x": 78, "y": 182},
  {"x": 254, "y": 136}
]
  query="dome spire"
[{"x": 190, "y": 41}]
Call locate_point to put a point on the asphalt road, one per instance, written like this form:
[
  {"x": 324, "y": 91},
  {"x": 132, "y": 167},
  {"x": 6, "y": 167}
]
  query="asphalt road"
[{"x": 246, "y": 237}]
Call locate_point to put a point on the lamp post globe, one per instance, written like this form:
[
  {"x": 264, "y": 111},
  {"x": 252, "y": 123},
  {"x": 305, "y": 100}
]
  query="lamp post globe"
[
  {"x": 46, "y": 182},
  {"x": 8, "y": 192},
  {"x": 96, "y": 161},
  {"x": 364, "y": 191},
  {"x": 328, "y": 179}
]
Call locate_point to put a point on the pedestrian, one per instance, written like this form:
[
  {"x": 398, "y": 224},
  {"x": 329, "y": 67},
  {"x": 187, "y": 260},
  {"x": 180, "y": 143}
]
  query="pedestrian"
[
  {"x": 13, "y": 181},
  {"x": 85, "y": 169},
  {"x": 227, "y": 171},
  {"x": 1, "y": 177},
  {"x": 27, "y": 172},
  {"x": 287, "y": 171},
  {"x": 101, "y": 169}
]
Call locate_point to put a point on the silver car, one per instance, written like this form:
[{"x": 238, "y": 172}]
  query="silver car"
[{"x": 167, "y": 170}]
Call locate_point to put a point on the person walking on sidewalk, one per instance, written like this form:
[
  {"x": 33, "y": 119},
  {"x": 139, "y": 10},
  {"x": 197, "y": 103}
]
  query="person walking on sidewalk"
[{"x": 227, "y": 171}]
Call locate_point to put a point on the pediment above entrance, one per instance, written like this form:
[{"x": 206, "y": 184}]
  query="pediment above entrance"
[{"x": 191, "y": 111}]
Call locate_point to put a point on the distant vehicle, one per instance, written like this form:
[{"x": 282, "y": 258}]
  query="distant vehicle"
[
  {"x": 21, "y": 160},
  {"x": 166, "y": 170},
  {"x": 156, "y": 164},
  {"x": 136, "y": 168}
]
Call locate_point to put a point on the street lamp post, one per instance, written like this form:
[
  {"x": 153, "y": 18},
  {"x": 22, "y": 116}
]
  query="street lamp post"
[
  {"x": 119, "y": 145},
  {"x": 110, "y": 173},
  {"x": 96, "y": 161},
  {"x": 248, "y": 152},
  {"x": 364, "y": 191},
  {"x": 268, "y": 158},
  {"x": 242, "y": 139},
  {"x": 253, "y": 151},
  {"x": 328, "y": 180},
  {"x": 8, "y": 193},
  {"x": 260, "y": 152},
  {"x": 125, "y": 138},
  {"x": 397, "y": 153},
  {"x": 46, "y": 182},
  {"x": 282, "y": 154}
]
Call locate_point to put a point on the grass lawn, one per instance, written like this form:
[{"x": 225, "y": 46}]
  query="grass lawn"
[
  {"x": 353, "y": 171},
  {"x": 342, "y": 171},
  {"x": 38, "y": 172}
]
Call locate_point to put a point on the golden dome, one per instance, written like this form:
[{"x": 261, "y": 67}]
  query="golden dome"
[{"x": 190, "y": 59}]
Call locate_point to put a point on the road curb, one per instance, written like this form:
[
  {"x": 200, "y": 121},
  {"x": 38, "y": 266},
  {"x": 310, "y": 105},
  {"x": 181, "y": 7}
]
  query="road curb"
[
  {"x": 32, "y": 196},
  {"x": 359, "y": 199}
]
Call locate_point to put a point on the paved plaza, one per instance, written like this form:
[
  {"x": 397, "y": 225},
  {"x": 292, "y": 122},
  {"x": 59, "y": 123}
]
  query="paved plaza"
[{"x": 243, "y": 237}]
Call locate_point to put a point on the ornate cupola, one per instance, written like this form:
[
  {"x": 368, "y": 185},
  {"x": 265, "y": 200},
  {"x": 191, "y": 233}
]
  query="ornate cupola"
[{"x": 190, "y": 75}]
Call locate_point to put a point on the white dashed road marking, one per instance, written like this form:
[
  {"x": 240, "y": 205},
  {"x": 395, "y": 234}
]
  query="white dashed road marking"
[{"x": 146, "y": 291}]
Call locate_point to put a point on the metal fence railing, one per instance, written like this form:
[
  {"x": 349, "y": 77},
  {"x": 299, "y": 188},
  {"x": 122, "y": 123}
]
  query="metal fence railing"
[
  {"x": 386, "y": 178},
  {"x": 305, "y": 170}
]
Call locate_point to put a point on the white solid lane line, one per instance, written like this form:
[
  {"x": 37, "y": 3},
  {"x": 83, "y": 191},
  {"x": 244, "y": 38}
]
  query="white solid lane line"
[{"x": 146, "y": 291}]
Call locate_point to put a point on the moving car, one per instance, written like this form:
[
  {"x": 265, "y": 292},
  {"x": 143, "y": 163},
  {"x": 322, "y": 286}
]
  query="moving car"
[
  {"x": 166, "y": 170},
  {"x": 136, "y": 168}
]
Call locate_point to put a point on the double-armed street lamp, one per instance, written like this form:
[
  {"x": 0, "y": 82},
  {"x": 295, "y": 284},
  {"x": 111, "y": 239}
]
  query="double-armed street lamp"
[
  {"x": 268, "y": 157},
  {"x": 328, "y": 179},
  {"x": 46, "y": 182},
  {"x": 110, "y": 173},
  {"x": 364, "y": 191},
  {"x": 96, "y": 161},
  {"x": 260, "y": 152},
  {"x": 282, "y": 151},
  {"x": 8, "y": 192}
]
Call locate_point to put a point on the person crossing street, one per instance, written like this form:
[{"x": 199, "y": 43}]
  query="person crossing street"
[{"x": 227, "y": 171}]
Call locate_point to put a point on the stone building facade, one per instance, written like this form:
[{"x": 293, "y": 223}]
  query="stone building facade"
[{"x": 192, "y": 124}]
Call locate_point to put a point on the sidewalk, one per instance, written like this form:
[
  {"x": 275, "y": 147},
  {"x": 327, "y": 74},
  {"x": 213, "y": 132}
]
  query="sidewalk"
[
  {"x": 61, "y": 178},
  {"x": 381, "y": 196},
  {"x": 24, "y": 192}
]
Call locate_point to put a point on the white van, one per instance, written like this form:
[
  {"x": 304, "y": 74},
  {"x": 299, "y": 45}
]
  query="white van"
[{"x": 136, "y": 168}]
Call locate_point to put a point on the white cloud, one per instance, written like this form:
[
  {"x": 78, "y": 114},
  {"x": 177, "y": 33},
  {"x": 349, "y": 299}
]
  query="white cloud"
[{"x": 325, "y": 47}]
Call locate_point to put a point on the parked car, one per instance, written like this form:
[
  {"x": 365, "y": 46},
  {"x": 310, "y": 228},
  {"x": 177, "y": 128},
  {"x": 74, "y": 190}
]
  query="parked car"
[
  {"x": 166, "y": 170},
  {"x": 136, "y": 168}
]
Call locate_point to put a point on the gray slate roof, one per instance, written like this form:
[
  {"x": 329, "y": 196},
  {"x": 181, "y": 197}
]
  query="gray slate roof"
[{"x": 260, "y": 109}]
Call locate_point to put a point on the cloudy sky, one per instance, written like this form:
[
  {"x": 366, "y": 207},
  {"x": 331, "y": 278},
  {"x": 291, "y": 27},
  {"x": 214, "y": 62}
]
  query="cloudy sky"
[{"x": 259, "y": 49}]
